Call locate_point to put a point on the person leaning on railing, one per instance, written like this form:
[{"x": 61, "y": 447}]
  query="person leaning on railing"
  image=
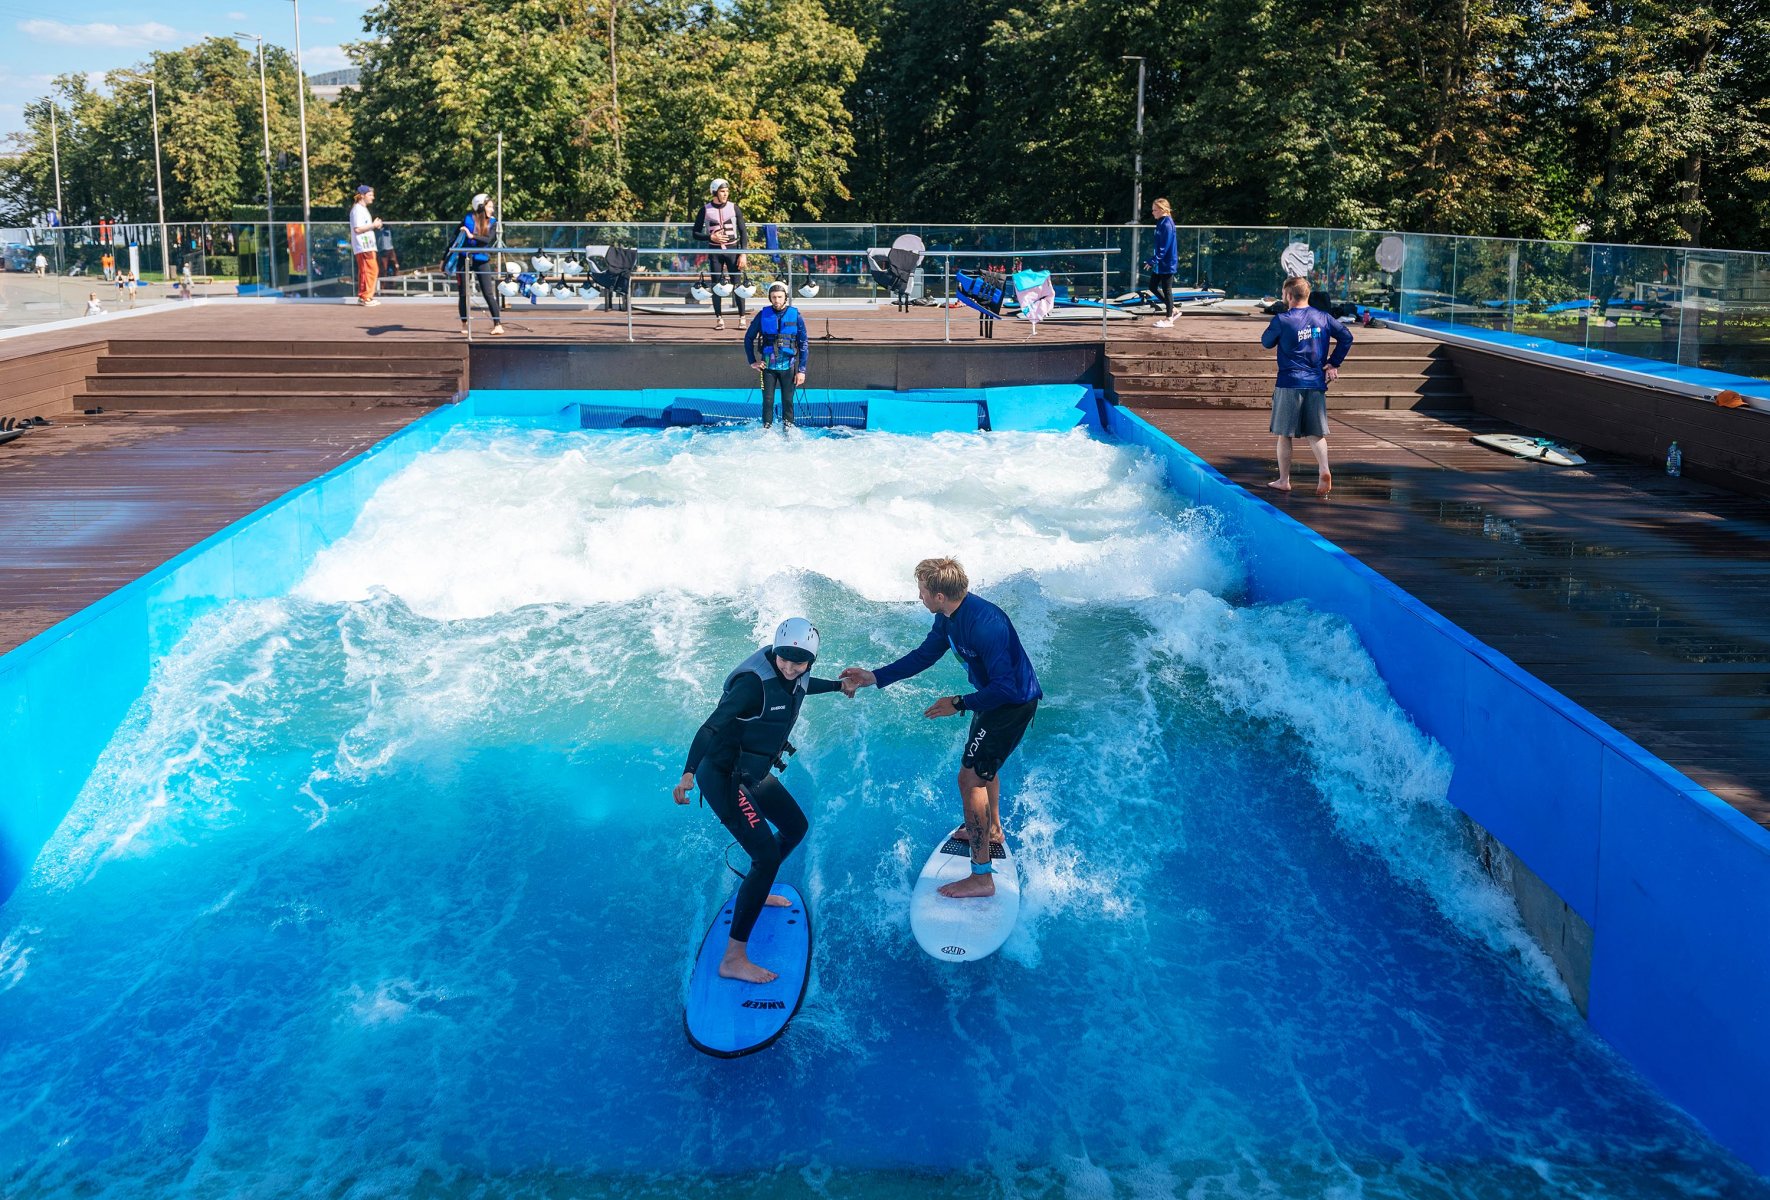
[{"x": 478, "y": 228}]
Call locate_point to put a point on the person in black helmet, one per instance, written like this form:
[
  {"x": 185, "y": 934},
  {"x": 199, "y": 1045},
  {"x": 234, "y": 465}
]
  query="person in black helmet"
[{"x": 733, "y": 759}]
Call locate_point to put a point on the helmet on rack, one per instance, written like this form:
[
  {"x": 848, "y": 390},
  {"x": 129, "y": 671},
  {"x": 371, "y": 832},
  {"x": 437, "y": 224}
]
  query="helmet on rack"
[{"x": 796, "y": 640}]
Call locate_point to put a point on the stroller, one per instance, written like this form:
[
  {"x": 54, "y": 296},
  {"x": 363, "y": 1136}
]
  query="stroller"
[
  {"x": 895, "y": 269},
  {"x": 611, "y": 271}
]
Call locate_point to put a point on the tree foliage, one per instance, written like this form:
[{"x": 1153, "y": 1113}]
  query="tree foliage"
[{"x": 1629, "y": 120}]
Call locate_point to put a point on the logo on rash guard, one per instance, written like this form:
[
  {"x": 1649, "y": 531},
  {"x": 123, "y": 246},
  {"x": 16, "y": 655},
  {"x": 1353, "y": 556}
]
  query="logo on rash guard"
[
  {"x": 778, "y": 708},
  {"x": 764, "y": 1004},
  {"x": 744, "y": 807}
]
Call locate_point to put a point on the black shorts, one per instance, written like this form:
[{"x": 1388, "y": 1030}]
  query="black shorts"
[{"x": 993, "y": 736}]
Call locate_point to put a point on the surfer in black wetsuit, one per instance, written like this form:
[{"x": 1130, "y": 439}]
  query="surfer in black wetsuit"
[{"x": 733, "y": 757}]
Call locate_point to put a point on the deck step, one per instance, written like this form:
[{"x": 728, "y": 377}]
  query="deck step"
[
  {"x": 435, "y": 383},
  {"x": 1431, "y": 402},
  {"x": 266, "y": 364},
  {"x": 286, "y": 401}
]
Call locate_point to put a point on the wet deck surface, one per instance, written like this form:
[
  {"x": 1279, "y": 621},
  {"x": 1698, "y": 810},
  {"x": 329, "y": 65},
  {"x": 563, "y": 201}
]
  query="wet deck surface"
[
  {"x": 1639, "y": 596},
  {"x": 92, "y": 503}
]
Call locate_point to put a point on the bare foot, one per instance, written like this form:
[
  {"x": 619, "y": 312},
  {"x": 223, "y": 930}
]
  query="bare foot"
[
  {"x": 778, "y": 902},
  {"x": 1280, "y": 485},
  {"x": 1324, "y": 485},
  {"x": 973, "y": 885},
  {"x": 737, "y": 965},
  {"x": 964, "y": 834}
]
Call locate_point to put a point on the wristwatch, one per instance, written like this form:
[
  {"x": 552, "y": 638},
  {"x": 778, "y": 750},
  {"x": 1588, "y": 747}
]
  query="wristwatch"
[{"x": 959, "y": 703}]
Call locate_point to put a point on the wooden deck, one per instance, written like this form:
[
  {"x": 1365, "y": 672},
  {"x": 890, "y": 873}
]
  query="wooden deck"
[
  {"x": 92, "y": 503},
  {"x": 1639, "y": 596}
]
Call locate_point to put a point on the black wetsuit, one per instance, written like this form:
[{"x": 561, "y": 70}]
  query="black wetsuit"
[{"x": 731, "y": 757}]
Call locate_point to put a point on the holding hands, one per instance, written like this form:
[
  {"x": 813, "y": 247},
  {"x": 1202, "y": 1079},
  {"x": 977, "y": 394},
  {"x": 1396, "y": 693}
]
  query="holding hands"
[{"x": 855, "y": 678}]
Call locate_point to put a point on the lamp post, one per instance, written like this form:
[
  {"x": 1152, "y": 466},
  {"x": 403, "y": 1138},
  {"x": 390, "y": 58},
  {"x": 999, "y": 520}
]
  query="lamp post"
[
  {"x": 159, "y": 182},
  {"x": 301, "y": 106},
  {"x": 1137, "y": 169},
  {"x": 270, "y": 216},
  {"x": 55, "y": 155}
]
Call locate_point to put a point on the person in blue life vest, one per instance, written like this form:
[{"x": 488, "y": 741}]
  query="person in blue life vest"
[
  {"x": 1305, "y": 368},
  {"x": 1002, "y": 704},
  {"x": 733, "y": 759},
  {"x": 776, "y": 346}
]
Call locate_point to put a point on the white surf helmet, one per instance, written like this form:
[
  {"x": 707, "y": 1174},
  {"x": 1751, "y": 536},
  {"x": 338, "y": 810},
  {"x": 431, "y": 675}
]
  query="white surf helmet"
[
  {"x": 808, "y": 289},
  {"x": 509, "y": 288},
  {"x": 746, "y": 289},
  {"x": 723, "y": 290},
  {"x": 541, "y": 263},
  {"x": 700, "y": 292},
  {"x": 796, "y": 640}
]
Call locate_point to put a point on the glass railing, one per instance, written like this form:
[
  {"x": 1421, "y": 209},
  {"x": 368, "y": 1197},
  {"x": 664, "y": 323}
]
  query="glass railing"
[{"x": 1674, "y": 312}]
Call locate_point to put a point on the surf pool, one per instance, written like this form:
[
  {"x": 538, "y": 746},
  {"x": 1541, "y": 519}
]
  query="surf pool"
[{"x": 378, "y": 889}]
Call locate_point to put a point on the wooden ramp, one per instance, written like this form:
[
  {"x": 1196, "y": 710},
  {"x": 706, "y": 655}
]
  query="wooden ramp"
[{"x": 1638, "y": 596}]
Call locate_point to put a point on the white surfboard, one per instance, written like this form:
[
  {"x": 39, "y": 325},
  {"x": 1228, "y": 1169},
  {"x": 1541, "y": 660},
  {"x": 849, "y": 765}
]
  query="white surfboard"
[
  {"x": 1538, "y": 449},
  {"x": 964, "y": 930}
]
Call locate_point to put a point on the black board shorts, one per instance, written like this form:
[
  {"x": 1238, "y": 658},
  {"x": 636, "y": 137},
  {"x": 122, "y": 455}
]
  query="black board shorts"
[{"x": 994, "y": 735}]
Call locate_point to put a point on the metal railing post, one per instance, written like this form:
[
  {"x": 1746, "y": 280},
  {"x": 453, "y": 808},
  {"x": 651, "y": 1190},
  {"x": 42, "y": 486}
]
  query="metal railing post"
[
  {"x": 946, "y": 298},
  {"x": 630, "y": 305},
  {"x": 1103, "y": 295}
]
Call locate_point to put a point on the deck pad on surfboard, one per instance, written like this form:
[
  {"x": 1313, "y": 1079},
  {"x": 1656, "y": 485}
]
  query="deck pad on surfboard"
[
  {"x": 729, "y": 1018},
  {"x": 964, "y": 930}
]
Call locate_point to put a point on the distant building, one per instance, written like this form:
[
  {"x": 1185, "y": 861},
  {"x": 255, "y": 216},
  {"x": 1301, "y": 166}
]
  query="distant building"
[{"x": 329, "y": 85}]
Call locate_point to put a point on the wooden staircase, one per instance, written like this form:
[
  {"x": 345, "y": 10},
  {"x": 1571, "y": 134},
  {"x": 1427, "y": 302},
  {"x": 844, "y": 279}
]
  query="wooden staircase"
[
  {"x": 151, "y": 375},
  {"x": 1384, "y": 370}
]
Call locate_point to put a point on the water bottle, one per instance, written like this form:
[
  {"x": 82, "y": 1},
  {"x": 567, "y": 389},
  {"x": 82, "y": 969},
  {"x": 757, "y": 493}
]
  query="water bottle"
[{"x": 1674, "y": 460}]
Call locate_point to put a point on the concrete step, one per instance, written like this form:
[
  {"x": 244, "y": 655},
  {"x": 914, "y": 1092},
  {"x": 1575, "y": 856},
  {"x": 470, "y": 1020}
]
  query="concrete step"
[
  {"x": 1434, "y": 402},
  {"x": 249, "y": 386},
  {"x": 1251, "y": 348},
  {"x": 148, "y": 401},
  {"x": 266, "y": 364}
]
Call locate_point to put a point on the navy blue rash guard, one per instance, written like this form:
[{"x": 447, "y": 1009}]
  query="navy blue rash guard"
[
  {"x": 1165, "y": 257},
  {"x": 984, "y": 639},
  {"x": 1301, "y": 336}
]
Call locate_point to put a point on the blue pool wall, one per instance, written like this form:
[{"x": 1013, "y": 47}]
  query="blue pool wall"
[
  {"x": 64, "y": 692},
  {"x": 1674, "y": 881}
]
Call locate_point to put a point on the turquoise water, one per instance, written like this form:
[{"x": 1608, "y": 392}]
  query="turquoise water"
[{"x": 379, "y": 891}]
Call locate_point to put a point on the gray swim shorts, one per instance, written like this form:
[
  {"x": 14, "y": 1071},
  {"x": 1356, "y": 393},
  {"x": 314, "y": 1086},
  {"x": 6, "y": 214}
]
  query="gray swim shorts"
[{"x": 1299, "y": 412}]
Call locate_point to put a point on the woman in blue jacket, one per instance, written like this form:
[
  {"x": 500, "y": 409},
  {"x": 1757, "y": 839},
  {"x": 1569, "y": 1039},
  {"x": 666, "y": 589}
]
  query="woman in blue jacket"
[
  {"x": 778, "y": 332},
  {"x": 1164, "y": 260}
]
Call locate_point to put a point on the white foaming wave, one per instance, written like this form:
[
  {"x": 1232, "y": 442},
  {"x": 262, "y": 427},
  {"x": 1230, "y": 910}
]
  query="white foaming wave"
[
  {"x": 217, "y": 697},
  {"x": 477, "y": 528},
  {"x": 1384, "y": 780}
]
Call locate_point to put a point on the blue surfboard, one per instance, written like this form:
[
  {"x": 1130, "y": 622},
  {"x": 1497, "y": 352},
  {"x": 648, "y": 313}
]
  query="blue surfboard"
[{"x": 728, "y": 1018}]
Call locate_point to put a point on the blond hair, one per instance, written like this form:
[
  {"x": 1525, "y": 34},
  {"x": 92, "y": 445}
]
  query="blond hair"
[
  {"x": 944, "y": 576},
  {"x": 1163, "y": 207},
  {"x": 1296, "y": 290}
]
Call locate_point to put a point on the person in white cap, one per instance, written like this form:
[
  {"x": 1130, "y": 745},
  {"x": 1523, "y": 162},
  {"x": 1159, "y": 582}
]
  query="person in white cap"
[
  {"x": 733, "y": 759},
  {"x": 721, "y": 226},
  {"x": 478, "y": 228}
]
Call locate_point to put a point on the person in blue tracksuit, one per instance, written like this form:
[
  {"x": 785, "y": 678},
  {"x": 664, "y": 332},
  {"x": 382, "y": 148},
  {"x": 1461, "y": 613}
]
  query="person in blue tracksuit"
[
  {"x": 1004, "y": 699},
  {"x": 1300, "y": 334},
  {"x": 776, "y": 345},
  {"x": 1164, "y": 259}
]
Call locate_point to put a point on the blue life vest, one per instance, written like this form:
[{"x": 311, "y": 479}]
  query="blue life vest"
[{"x": 779, "y": 335}]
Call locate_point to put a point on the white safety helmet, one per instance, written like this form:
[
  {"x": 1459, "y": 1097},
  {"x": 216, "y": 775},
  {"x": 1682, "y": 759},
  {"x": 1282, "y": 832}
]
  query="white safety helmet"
[
  {"x": 808, "y": 289},
  {"x": 746, "y": 290},
  {"x": 716, "y": 185},
  {"x": 777, "y": 286},
  {"x": 540, "y": 288},
  {"x": 512, "y": 267},
  {"x": 796, "y": 640},
  {"x": 541, "y": 263},
  {"x": 509, "y": 288},
  {"x": 700, "y": 292},
  {"x": 723, "y": 290},
  {"x": 478, "y": 201}
]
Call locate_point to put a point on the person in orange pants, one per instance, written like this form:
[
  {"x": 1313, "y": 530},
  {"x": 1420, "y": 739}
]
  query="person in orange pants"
[{"x": 362, "y": 243}]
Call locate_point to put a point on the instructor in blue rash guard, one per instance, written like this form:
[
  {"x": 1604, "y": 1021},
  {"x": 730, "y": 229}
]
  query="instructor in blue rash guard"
[
  {"x": 1305, "y": 368},
  {"x": 1002, "y": 706},
  {"x": 733, "y": 757}
]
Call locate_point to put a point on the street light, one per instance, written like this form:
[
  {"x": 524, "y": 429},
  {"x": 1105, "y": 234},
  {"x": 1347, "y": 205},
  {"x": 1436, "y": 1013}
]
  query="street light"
[
  {"x": 301, "y": 105},
  {"x": 270, "y": 217},
  {"x": 159, "y": 184},
  {"x": 1137, "y": 186}
]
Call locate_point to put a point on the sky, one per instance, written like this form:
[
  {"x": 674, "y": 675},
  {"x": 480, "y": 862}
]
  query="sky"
[{"x": 47, "y": 40}]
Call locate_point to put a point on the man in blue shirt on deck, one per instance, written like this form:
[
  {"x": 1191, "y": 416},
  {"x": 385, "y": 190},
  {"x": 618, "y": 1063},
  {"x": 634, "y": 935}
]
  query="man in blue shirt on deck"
[
  {"x": 1305, "y": 368},
  {"x": 1002, "y": 705}
]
